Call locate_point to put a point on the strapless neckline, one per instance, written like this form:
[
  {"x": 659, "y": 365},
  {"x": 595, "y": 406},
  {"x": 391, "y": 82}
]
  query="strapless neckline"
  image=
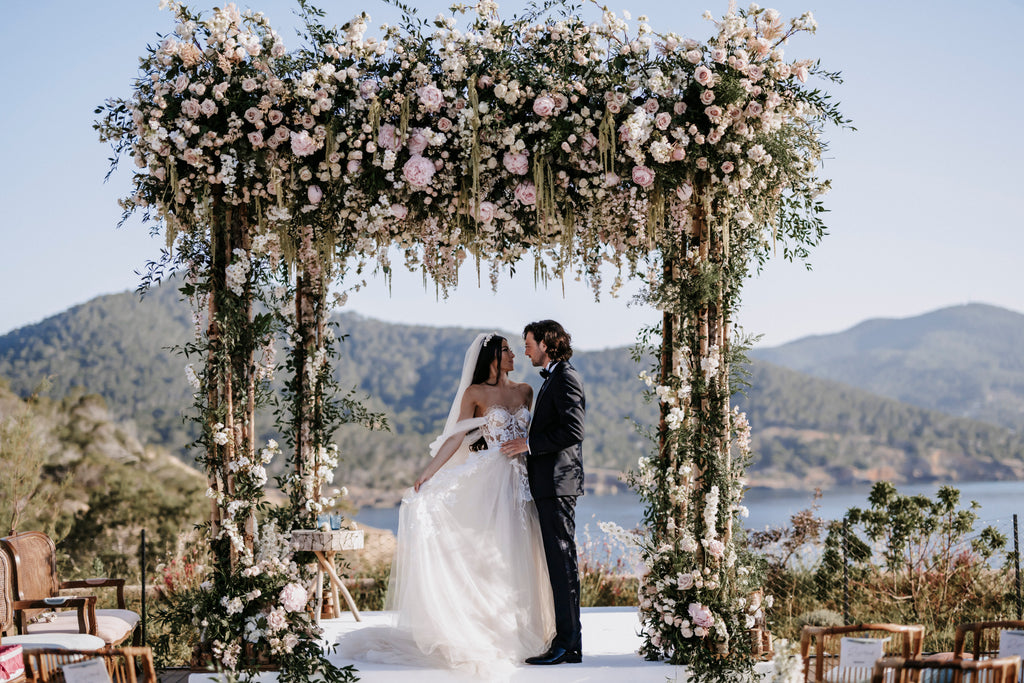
[{"x": 508, "y": 411}]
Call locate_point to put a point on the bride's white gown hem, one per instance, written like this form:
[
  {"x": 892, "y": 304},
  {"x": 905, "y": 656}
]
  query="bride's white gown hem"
[{"x": 469, "y": 586}]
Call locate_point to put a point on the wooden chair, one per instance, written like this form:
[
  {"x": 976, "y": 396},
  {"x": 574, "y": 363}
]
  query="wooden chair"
[
  {"x": 84, "y": 608},
  {"x": 982, "y": 637},
  {"x": 124, "y": 665},
  {"x": 820, "y": 648},
  {"x": 34, "y": 557},
  {"x": 900, "y": 670}
]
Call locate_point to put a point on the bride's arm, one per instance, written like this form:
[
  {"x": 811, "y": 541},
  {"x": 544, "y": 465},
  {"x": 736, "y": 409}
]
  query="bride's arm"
[{"x": 452, "y": 444}]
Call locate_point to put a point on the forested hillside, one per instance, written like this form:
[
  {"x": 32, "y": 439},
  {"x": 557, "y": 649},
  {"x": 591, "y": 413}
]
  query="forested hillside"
[
  {"x": 807, "y": 431},
  {"x": 963, "y": 360}
]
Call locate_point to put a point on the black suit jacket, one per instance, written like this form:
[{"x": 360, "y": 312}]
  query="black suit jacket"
[{"x": 555, "y": 462}]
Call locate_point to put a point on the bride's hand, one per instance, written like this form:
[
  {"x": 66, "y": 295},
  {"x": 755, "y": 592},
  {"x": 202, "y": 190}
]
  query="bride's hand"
[{"x": 420, "y": 482}]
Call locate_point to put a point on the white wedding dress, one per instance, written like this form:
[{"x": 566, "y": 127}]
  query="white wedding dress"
[{"x": 469, "y": 584}]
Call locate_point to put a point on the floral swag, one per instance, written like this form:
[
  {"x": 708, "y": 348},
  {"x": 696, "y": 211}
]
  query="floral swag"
[{"x": 274, "y": 174}]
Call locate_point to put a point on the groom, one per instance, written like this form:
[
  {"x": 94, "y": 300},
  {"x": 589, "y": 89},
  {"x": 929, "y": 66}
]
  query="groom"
[{"x": 554, "y": 463}]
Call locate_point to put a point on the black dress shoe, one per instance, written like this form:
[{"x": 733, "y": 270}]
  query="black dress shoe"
[{"x": 557, "y": 655}]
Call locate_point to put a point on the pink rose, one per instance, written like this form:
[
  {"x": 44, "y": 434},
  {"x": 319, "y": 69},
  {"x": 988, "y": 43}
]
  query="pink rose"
[
  {"x": 208, "y": 107},
  {"x": 543, "y": 106},
  {"x": 444, "y": 124},
  {"x": 694, "y": 56},
  {"x": 754, "y": 109},
  {"x": 701, "y": 615},
  {"x": 611, "y": 179},
  {"x": 248, "y": 84},
  {"x": 276, "y": 620},
  {"x": 484, "y": 82},
  {"x": 643, "y": 176},
  {"x": 589, "y": 142},
  {"x": 485, "y": 213},
  {"x": 281, "y": 135},
  {"x": 526, "y": 193},
  {"x": 275, "y": 117},
  {"x": 679, "y": 108},
  {"x": 387, "y": 137},
  {"x": 315, "y": 194},
  {"x": 651, "y": 106},
  {"x": 715, "y": 547},
  {"x": 678, "y": 153},
  {"x": 707, "y": 97},
  {"x": 516, "y": 162},
  {"x": 728, "y": 167},
  {"x": 431, "y": 97},
  {"x": 302, "y": 144},
  {"x": 352, "y": 166},
  {"x": 256, "y": 139},
  {"x": 367, "y": 89},
  {"x": 703, "y": 75},
  {"x": 685, "y": 581},
  {"x": 702, "y": 163},
  {"x": 399, "y": 211},
  {"x": 718, "y": 55},
  {"x": 802, "y": 73},
  {"x": 714, "y": 112},
  {"x": 662, "y": 120},
  {"x": 418, "y": 171},
  {"x": 308, "y": 121},
  {"x": 417, "y": 141},
  {"x": 190, "y": 108},
  {"x": 614, "y": 107},
  {"x": 294, "y": 597},
  {"x": 561, "y": 101},
  {"x": 252, "y": 115}
]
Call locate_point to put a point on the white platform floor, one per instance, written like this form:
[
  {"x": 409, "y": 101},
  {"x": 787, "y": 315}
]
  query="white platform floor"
[{"x": 610, "y": 643}]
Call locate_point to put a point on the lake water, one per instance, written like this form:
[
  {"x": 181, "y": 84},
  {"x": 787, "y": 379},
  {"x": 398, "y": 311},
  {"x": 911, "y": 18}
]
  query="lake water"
[{"x": 999, "y": 501}]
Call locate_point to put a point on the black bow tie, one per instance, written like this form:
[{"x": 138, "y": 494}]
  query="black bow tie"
[{"x": 545, "y": 373}]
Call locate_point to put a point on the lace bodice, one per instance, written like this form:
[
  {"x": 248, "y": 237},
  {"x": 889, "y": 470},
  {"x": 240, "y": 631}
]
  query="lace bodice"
[{"x": 501, "y": 425}]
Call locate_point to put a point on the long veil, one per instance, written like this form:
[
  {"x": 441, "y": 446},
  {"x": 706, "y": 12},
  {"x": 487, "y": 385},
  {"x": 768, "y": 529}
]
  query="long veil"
[{"x": 468, "y": 427}]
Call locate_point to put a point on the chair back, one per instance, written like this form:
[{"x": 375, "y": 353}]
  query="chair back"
[
  {"x": 980, "y": 639},
  {"x": 6, "y": 588},
  {"x": 820, "y": 648},
  {"x": 35, "y": 568},
  {"x": 900, "y": 670},
  {"x": 124, "y": 664}
]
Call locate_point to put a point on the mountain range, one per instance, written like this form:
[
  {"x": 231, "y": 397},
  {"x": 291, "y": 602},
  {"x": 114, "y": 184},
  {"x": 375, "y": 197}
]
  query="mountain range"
[{"x": 937, "y": 397}]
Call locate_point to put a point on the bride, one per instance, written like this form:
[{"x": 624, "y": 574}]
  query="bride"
[{"x": 469, "y": 584}]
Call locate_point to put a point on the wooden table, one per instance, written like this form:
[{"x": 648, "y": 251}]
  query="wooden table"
[{"x": 325, "y": 544}]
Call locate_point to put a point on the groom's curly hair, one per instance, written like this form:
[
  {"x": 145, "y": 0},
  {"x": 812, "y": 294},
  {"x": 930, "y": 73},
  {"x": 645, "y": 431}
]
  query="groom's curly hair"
[{"x": 557, "y": 341}]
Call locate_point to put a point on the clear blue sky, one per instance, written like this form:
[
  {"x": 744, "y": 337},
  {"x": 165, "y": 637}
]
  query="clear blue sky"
[{"x": 926, "y": 209}]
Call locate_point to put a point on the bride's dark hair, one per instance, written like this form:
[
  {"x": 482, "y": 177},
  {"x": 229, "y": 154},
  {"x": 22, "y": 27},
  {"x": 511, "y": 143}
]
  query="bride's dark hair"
[{"x": 489, "y": 351}]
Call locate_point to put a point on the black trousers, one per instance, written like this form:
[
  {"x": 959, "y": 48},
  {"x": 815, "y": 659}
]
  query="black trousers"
[{"x": 557, "y": 518}]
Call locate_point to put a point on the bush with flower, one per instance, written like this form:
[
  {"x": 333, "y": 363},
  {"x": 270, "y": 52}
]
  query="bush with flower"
[{"x": 686, "y": 163}]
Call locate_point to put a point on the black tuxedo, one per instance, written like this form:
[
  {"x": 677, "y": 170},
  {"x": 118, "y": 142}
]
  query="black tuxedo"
[{"x": 554, "y": 465}]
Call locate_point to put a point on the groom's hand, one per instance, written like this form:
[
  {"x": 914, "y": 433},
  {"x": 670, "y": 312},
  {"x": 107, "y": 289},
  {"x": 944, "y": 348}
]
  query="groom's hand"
[{"x": 515, "y": 447}]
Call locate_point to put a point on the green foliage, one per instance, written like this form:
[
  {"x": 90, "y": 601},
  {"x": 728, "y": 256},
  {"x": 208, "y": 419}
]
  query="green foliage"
[
  {"x": 926, "y": 565},
  {"x": 914, "y": 558}
]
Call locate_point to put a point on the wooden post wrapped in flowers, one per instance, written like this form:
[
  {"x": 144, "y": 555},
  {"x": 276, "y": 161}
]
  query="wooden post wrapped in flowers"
[{"x": 681, "y": 162}]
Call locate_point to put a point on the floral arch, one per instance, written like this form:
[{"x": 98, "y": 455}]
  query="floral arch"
[{"x": 276, "y": 174}]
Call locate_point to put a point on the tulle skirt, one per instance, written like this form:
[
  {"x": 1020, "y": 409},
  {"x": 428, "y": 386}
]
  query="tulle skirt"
[{"x": 469, "y": 585}]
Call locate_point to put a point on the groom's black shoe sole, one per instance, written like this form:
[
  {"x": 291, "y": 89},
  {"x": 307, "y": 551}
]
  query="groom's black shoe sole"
[{"x": 557, "y": 655}]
